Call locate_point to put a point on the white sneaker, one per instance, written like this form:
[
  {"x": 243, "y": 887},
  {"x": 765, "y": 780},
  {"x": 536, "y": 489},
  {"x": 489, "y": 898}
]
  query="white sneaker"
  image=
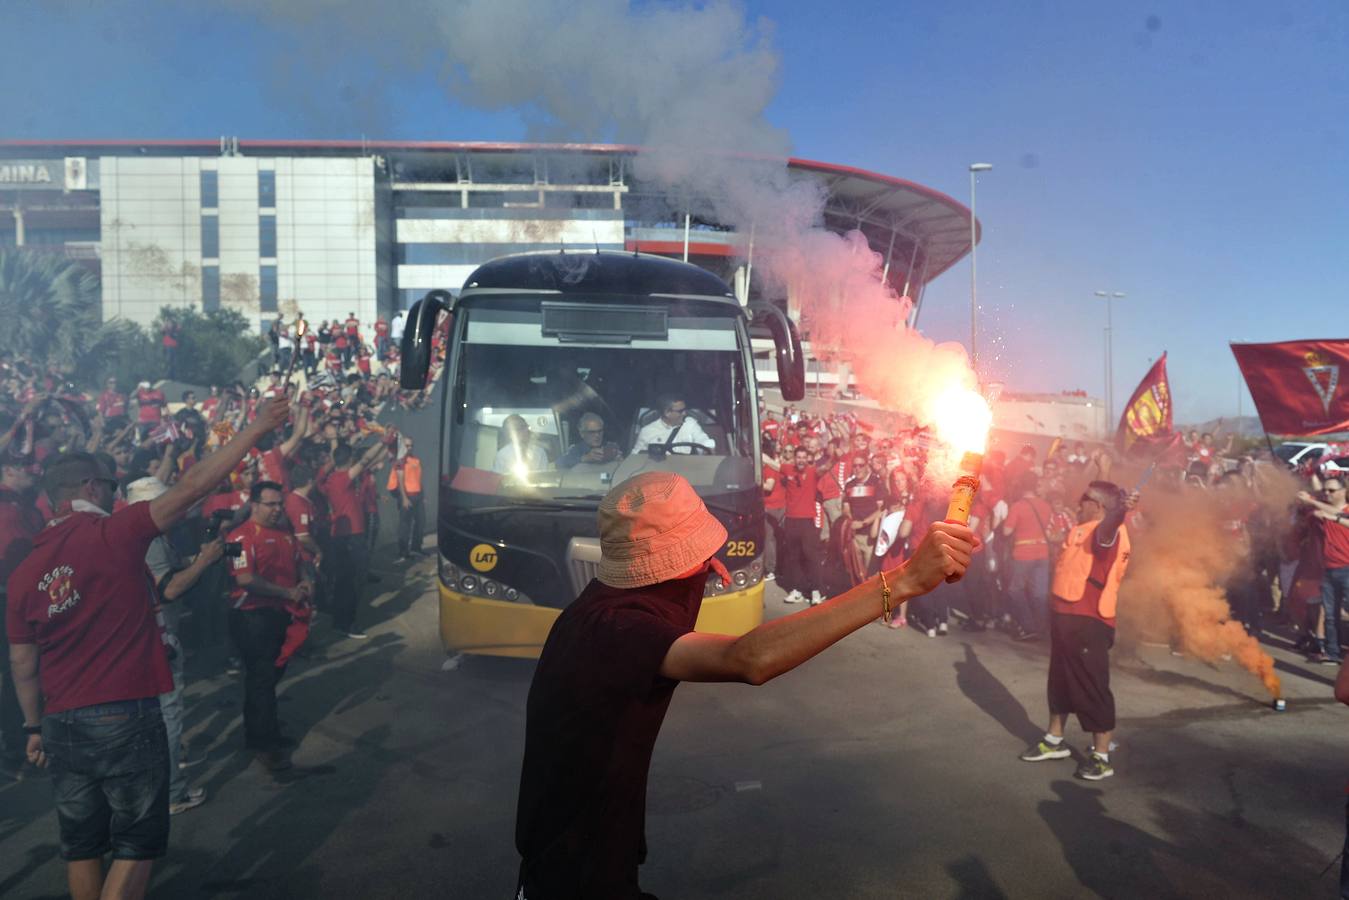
[
  {"x": 193, "y": 798},
  {"x": 941, "y": 629},
  {"x": 932, "y": 632},
  {"x": 794, "y": 597},
  {"x": 816, "y": 598}
]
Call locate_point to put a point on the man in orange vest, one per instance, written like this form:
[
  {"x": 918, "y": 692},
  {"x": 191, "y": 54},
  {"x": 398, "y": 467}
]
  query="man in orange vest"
[
  {"x": 405, "y": 483},
  {"x": 1085, "y": 592}
]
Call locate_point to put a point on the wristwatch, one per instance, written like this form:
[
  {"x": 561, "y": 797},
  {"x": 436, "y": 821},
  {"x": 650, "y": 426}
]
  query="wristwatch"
[{"x": 32, "y": 729}]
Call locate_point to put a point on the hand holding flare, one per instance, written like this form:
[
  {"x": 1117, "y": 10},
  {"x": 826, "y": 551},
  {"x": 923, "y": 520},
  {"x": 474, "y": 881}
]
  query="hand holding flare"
[{"x": 963, "y": 419}]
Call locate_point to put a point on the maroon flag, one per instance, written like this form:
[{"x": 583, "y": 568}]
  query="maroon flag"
[
  {"x": 1147, "y": 422},
  {"x": 1296, "y": 385}
]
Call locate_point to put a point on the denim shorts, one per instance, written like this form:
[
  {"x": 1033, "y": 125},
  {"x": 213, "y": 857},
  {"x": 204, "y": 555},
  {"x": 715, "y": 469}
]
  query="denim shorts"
[{"x": 110, "y": 771}]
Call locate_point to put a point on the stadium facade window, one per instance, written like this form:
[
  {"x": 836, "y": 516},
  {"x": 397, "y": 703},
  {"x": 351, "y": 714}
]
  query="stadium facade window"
[
  {"x": 267, "y": 188},
  {"x": 210, "y": 237},
  {"x": 267, "y": 288},
  {"x": 267, "y": 237},
  {"x": 210, "y": 188},
  {"x": 210, "y": 288}
]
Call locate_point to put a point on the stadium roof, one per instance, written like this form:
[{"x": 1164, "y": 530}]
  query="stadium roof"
[{"x": 916, "y": 228}]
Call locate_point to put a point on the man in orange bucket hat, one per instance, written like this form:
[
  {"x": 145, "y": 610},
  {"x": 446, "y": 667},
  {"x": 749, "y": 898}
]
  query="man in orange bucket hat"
[{"x": 615, "y": 655}]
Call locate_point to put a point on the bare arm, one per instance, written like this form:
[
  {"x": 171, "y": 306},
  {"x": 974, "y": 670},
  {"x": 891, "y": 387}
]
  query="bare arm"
[
  {"x": 202, "y": 478},
  {"x": 298, "y": 433},
  {"x": 371, "y": 460},
  {"x": 182, "y": 580},
  {"x": 783, "y": 644},
  {"x": 164, "y": 470},
  {"x": 23, "y": 663}
]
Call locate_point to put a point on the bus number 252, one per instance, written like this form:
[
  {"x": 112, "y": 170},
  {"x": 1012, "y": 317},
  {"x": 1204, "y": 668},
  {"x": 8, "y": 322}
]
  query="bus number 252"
[{"x": 740, "y": 548}]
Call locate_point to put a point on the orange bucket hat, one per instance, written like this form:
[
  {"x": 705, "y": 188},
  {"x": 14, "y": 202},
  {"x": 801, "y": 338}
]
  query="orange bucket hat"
[{"x": 654, "y": 527}]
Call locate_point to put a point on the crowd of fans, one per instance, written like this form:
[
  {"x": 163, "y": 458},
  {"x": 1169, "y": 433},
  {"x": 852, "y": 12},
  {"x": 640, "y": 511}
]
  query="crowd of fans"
[
  {"x": 845, "y": 498},
  {"x": 224, "y": 523}
]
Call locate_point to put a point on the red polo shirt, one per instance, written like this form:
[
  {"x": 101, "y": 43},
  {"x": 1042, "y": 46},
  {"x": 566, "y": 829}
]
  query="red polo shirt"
[
  {"x": 777, "y": 497},
  {"x": 800, "y": 491},
  {"x": 269, "y": 553},
  {"x": 85, "y": 597},
  {"x": 1029, "y": 541},
  {"x": 346, "y": 512},
  {"x": 1334, "y": 543}
]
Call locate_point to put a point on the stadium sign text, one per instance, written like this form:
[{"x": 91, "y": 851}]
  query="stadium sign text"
[{"x": 33, "y": 173}]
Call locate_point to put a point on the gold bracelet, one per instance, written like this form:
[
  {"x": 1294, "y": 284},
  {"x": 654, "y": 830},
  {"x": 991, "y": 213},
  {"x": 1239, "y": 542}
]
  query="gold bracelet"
[{"x": 885, "y": 599}]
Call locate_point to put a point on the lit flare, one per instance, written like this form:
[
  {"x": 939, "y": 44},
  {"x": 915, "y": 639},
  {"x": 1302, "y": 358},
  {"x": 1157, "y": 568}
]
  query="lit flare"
[{"x": 963, "y": 418}]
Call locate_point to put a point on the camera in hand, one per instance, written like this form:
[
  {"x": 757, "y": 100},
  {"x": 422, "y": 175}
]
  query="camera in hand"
[
  {"x": 217, "y": 521},
  {"x": 234, "y": 549}
]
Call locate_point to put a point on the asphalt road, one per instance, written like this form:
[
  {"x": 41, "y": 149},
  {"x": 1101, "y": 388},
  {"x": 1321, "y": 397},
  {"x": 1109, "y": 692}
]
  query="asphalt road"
[{"x": 884, "y": 768}]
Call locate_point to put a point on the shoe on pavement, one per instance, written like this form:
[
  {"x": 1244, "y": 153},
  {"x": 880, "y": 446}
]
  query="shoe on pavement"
[
  {"x": 193, "y": 798},
  {"x": 794, "y": 597},
  {"x": 357, "y": 635},
  {"x": 234, "y": 665},
  {"x": 1317, "y": 658},
  {"x": 273, "y": 760},
  {"x": 941, "y": 629},
  {"x": 771, "y": 576},
  {"x": 1331, "y": 661},
  {"x": 1042, "y": 749},
  {"x": 1024, "y": 636},
  {"x": 932, "y": 632},
  {"x": 1094, "y": 768},
  {"x": 816, "y": 598}
]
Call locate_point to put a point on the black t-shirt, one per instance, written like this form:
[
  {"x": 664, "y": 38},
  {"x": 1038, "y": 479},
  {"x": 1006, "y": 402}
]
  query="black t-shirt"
[
  {"x": 595, "y": 708},
  {"x": 863, "y": 495}
]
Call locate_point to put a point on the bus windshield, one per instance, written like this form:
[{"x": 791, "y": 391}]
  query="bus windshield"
[{"x": 554, "y": 417}]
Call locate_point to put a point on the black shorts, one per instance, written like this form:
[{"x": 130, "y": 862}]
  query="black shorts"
[
  {"x": 1079, "y": 670},
  {"x": 110, "y": 772}
]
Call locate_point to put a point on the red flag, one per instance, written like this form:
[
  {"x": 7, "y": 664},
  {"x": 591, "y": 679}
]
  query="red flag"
[
  {"x": 1147, "y": 423},
  {"x": 1296, "y": 385}
]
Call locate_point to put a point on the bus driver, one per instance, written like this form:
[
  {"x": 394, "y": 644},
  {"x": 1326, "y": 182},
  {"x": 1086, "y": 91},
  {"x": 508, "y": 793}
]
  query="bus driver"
[{"x": 674, "y": 427}]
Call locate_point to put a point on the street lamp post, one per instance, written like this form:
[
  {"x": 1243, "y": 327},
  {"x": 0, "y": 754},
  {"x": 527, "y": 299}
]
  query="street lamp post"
[
  {"x": 1110, "y": 297},
  {"x": 975, "y": 169}
]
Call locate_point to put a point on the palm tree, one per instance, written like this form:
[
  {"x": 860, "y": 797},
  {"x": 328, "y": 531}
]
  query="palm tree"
[{"x": 51, "y": 308}]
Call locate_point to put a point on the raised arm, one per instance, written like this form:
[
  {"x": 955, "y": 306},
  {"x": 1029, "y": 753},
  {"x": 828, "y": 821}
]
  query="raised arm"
[
  {"x": 202, "y": 478},
  {"x": 783, "y": 644}
]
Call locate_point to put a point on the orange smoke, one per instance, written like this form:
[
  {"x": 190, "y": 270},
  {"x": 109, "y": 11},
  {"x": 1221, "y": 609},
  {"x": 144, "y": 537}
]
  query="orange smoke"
[{"x": 1184, "y": 555}]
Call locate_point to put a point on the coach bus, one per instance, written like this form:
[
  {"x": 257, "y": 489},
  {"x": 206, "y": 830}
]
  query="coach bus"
[{"x": 553, "y": 364}]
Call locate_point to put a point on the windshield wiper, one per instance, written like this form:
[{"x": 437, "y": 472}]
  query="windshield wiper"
[{"x": 580, "y": 497}]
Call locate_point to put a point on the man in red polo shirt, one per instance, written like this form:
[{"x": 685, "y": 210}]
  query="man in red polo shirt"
[
  {"x": 802, "y": 555},
  {"x": 89, "y": 664},
  {"x": 351, "y": 550},
  {"x": 112, "y": 402},
  {"x": 268, "y": 575},
  {"x": 150, "y": 403},
  {"x": 381, "y": 338}
]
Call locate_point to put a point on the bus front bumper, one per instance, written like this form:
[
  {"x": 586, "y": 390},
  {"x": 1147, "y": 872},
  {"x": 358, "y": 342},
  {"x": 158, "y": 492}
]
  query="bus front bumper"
[{"x": 499, "y": 628}]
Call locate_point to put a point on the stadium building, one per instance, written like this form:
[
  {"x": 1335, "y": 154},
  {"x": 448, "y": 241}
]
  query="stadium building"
[{"x": 334, "y": 227}]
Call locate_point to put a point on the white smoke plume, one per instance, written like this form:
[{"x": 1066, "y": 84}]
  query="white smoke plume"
[{"x": 691, "y": 84}]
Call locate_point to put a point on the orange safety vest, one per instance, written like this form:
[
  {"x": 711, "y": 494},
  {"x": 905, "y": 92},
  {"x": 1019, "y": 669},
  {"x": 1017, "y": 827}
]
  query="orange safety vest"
[
  {"x": 412, "y": 476},
  {"x": 1074, "y": 568}
]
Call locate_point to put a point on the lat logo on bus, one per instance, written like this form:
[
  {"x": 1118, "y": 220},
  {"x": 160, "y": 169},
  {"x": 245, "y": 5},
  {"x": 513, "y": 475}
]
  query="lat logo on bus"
[{"x": 483, "y": 557}]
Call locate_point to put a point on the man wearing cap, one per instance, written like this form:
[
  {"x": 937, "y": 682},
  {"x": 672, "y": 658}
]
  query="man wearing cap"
[
  {"x": 615, "y": 655},
  {"x": 1084, "y": 593},
  {"x": 89, "y": 665}
]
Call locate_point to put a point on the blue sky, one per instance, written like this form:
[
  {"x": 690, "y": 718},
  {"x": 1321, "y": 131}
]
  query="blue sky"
[{"x": 1192, "y": 155}]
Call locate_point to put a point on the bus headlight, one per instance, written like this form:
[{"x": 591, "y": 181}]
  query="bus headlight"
[
  {"x": 459, "y": 581},
  {"x": 740, "y": 578}
]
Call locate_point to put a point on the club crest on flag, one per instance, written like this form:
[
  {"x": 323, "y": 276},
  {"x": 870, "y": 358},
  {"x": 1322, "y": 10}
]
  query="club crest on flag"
[{"x": 1324, "y": 376}]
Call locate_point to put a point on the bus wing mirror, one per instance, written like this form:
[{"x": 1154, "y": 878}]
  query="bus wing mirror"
[
  {"x": 417, "y": 347},
  {"x": 787, "y": 349}
]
